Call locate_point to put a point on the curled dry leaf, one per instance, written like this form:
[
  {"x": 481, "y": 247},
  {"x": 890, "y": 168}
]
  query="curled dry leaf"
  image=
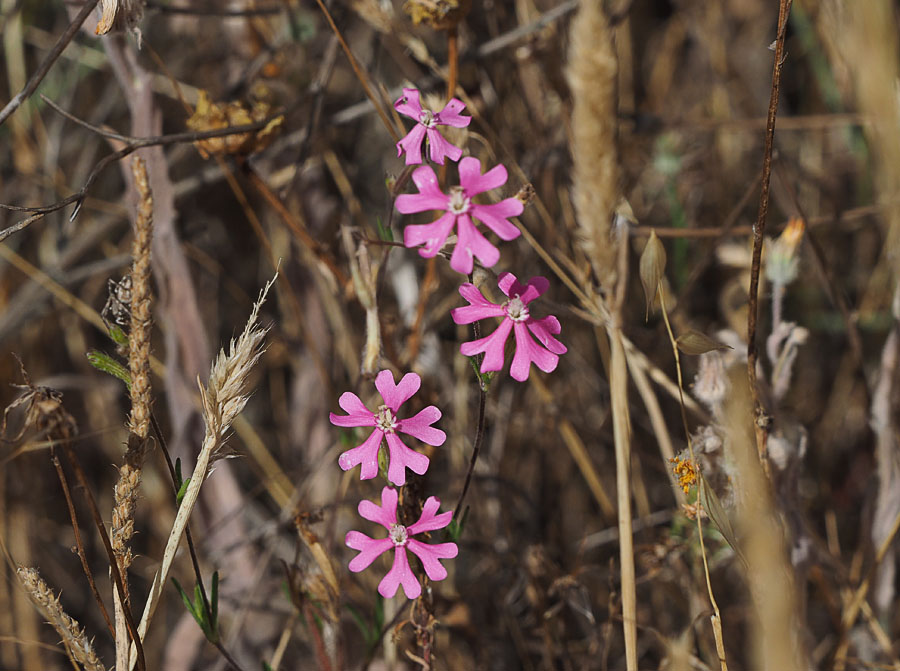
[
  {"x": 119, "y": 15},
  {"x": 693, "y": 343},
  {"x": 652, "y": 267},
  {"x": 213, "y": 116}
]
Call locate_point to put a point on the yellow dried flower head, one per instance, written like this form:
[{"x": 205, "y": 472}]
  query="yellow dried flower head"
[
  {"x": 686, "y": 471},
  {"x": 439, "y": 14}
]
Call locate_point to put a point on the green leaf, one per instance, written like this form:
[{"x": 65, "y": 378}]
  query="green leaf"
[
  {"x": 384, "y": 233},
  {"x": 456, "y": 526},
  {"x": 118, "y": 336},
  {"x": 105, "y": 363},
  {"x": 266, "y": 666},
  {"x": 361, "y": 624},
  {"x": 179, "y": 497},
  {"x": 378, "y": 616},
  {"x": 214, "y": 602},
  {"x": 187, "y": 602},
  {"x": 383, "y": 462}
]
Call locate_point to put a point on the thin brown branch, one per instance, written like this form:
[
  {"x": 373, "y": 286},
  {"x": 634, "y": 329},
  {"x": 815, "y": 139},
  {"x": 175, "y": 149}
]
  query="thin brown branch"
[
  {"x": 363, "y": 78},
  {"x": 79, "y": 544},
  {"x": 49, "y": 60},
  {"x": 784, "y": 10},
  {"x": 131, "y": 146},
  {"x": 163, "y": 8}
]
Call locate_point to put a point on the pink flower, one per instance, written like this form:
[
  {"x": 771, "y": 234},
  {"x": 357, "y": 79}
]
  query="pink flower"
[
  {"x": 387, "y": 425},
  {"x": 460, "y": 210},
  {"x": 544, "y": 353},
  {"x": 428, "y": 121},
  {"x": 400, "y": 538}
]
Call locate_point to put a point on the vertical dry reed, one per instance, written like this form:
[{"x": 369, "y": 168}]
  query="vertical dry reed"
[
  {"x": 777, "y": 640},
  {"x": 592, "y": 74},
  {"x": 77, "y": 645},
  {"x": 592, "y": 78}
]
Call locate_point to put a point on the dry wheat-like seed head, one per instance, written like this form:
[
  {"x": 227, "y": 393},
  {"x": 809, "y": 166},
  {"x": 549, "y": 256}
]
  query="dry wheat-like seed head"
[
  {"x": 224, "y": 397},
  {"x": 73, "y": 637}
]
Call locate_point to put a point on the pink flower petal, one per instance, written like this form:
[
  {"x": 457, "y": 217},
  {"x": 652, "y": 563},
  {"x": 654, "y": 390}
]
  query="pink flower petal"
[
  {"x": 400, "y": 574},
  {"x": 365, "y": 454},
  {"x": 450, "y": 115},
  {"x": 430, "y": 556},
  {"x": 492, "y": 346},
  {"x": 542, "y": 330},
  {"x": 438, "y": 147},
  {"x": 430, "y": 196},
  {"x": 471, "y": 243},
  {"x": 419, "y": 426},
  {"x": 473, "y": 182},
  {"x": 386, "y": 513},
  {"x": 509, "y": 285},
  {"x": 409, "y": 104},
  {"x": 395, "y": 395},
  {"x": 412, "y": 145},
  {"x": 432, "y": 236},
  {"x": 428, "y": 520},
  {"x": 536, "y": 287},
  {"x": 401, "y": 458},
  {"x": 479, "y": 307},
  {"x": 370, "y": 549},
  {"x": 359, "y": 414},
  {"x": 495, "y": 217},
  {"x": 528, "y": 352}
]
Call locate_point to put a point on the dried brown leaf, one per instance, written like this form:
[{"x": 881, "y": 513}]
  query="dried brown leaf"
[
  {"x": 693, "y": 343},
  {"x": 652, "y": 267}
]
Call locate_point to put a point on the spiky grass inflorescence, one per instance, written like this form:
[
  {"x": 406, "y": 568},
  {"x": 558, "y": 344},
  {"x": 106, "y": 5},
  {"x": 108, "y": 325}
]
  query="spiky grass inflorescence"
[
  {"x": 592, "y": 78},
  {"x": 126, "y": 490},
  {"x": 139, "y": 337},
  {"x": 223, "y": 398},
  {"x": 73, "y": 637},
  {"x": 128, "y": 485}
]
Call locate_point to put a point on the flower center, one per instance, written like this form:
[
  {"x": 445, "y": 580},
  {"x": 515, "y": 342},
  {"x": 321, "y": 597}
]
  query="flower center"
[
  {"x": 385, "y": 420},
  {"x": 516, "y": 309},
  {"x": 427, "y": 119},
  {"x": 459, "y": 203},
  {"x": 398, "y": 535}
]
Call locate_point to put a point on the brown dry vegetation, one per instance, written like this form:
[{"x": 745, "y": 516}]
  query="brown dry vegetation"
[{"x": 538, "y": 583}]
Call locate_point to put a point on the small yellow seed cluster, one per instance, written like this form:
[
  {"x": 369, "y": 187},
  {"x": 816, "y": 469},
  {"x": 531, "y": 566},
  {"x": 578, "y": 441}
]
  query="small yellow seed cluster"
[{"x": 686, "y": 472}]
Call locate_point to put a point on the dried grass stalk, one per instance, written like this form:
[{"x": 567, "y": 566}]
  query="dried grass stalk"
[
  {"x": 77, "y": 645},
  {"x": 222, "y": 400},
  {"x": 777, "y": 636},
  {"x": 592, "y": 77}
]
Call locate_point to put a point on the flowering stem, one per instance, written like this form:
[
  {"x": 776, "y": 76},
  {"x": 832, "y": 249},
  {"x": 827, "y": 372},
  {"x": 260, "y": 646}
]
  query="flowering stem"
[
  {"x": 476, "y": 448},
  {"x": 452, "y": 61},
  {"x": 479, "y": 428}
]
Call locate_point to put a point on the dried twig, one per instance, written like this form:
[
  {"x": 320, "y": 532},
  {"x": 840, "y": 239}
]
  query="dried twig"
[
  {"x": 48, "y": 61},
  {"x": 784, "y": 10}
]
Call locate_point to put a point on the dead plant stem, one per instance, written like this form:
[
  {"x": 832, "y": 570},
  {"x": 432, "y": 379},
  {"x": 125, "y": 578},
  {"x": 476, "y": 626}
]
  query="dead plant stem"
[
  {"x": 759, "y": 423},
  {"x": 74, "y": 462},
  {"x": 49, "y": 60},
  {"x": 360, "y": 75},
  {"x": 79, "y": 544},
  {"x": 717, "y": 616}
]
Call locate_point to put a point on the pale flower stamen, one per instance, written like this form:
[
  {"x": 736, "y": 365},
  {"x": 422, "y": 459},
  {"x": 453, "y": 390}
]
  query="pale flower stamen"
[
  {"x": 427, "y": 119},
  {"x": 385, "y": 419},
  {"x": 398, "y": 535},
  {"x": 459, "y": 203},
  {"x": 516, "y": 309}
]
